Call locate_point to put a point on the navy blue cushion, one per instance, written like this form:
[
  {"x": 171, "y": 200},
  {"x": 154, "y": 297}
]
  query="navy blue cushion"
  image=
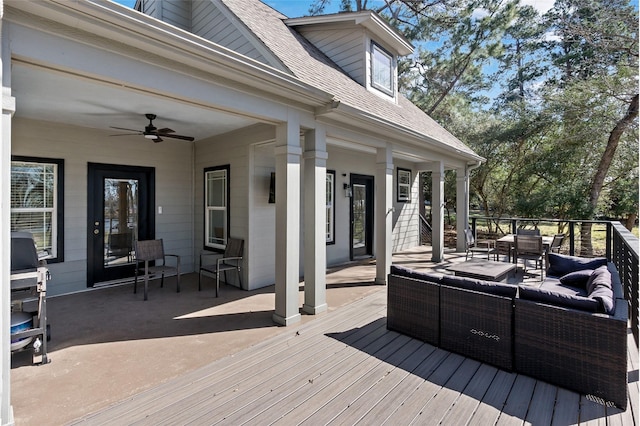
[
  {"x": 604, "y": 296},
  {"x": 561, "y": 264},
  {"x": 599, "y": 287},
  {"x": 417, "y": 275},
  {"x": 577, "y": 278},
  {"x": 559, "y": 299},
  {"x": 490, "y": 287},
  {"x": 555, "y": 286},
  {"x": 599, "y": 277}
]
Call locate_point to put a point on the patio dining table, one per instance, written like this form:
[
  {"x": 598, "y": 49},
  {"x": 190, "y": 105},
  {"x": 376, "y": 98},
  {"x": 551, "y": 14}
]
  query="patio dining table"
[{"x": 508, "y": 242}]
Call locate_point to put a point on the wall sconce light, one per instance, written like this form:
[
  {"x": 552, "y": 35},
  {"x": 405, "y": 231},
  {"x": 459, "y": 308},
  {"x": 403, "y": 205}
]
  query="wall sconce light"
[{"x": 347, "y": 190}]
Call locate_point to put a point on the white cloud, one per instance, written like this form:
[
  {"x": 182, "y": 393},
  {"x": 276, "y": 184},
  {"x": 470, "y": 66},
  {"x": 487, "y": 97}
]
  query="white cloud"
[{"x": 542, "y": 6}]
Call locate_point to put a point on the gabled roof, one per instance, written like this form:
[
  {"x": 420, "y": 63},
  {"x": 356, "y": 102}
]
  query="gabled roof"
[
  {"x": 367, "y": 19},
  {"x": 312, "y": 67}
]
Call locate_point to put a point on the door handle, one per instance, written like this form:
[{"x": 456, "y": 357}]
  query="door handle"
[{"x": 96, "y": 231}]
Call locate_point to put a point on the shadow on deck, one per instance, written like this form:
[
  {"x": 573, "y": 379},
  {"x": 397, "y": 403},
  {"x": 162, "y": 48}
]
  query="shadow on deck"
[{"x": 189, "y": 356}]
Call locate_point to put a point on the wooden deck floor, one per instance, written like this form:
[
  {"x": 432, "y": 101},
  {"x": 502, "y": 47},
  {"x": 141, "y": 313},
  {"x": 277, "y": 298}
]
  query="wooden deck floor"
[{"x": 346, "y": 368}]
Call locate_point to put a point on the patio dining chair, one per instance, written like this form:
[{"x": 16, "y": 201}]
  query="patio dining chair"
[
  {"x": 529, "y": 247},
  {"x": 151, "y": 253},
  {"x": 231, "y": 260},
  {"x": 472, "y": 246},
  {"x": 554, "y": 247},
  {"x": 523, "y": 231}
]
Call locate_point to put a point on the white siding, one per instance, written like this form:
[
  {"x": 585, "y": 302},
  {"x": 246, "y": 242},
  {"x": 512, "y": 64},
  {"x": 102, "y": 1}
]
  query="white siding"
[
  {"x": 234, "y": 149},
  {"x": 178, "y": 13},
  {"x": 263, "y": 218},
  {"x": 174, "y": 12},
  {"x": 346, "y": 47},
  {"x": 406, "y": 223},
  {"x": 345, "y": 162},
  {"x": 152, "y": 8},
  {"x": 210, "y": 23},
  {"x": 78, "y": 146}
]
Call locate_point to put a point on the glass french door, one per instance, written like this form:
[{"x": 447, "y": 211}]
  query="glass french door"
[
  {"x": 120, "y": 212},
  {"x": 361, "y": 216}
]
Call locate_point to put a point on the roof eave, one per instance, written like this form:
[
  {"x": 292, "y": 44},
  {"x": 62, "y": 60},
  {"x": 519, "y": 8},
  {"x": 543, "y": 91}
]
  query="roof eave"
[
  {"x": 368, "y": 19},
  {"x": 120, "y": 23},
  {"x": 380, "y": 126}
]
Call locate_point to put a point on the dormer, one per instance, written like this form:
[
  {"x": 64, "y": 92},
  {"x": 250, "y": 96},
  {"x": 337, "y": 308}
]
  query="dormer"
[{"x": 362, "y": 44}]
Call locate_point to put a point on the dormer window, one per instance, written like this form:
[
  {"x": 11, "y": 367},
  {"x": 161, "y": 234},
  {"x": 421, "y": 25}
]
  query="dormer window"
[{"x": 381, "y": 69}]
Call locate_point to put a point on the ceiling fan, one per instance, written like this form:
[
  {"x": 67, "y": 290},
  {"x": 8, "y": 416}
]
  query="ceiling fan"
[{"x": 151, "y": 132}]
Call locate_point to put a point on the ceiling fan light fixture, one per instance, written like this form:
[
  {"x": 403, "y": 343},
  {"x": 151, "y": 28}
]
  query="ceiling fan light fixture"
[{"x": 150, "y": 136}]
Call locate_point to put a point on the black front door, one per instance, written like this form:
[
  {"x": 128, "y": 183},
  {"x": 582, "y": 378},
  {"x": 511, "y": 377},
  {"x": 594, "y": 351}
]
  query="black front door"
[
  {"x": 361, "y": 216},
  {"x": 120, "y": 211}
]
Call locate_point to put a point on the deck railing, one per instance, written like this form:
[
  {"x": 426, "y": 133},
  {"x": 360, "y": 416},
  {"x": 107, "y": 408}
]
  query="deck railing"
[
  {"x": 625, "y": 257},
  {"x": 620, "y": 247},
  {"x": 425, "y": 231}
]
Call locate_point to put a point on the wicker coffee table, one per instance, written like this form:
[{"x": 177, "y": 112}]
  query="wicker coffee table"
[{"x": 484, "y": 270}]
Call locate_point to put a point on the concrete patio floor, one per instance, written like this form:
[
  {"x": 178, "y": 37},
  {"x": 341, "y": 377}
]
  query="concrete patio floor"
[{"x": 108, "y": 344}]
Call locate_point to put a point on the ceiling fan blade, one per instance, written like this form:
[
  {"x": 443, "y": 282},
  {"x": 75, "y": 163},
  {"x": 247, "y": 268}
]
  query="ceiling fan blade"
[
  {"x": 127, "y": 134},
  {"x": 124, "y": 128},
  {"x": 150, "y": 131},
  {"x": 184, "y": 138}
]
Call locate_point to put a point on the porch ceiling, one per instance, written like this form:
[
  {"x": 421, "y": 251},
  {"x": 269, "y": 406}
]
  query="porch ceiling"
[{"x": 48, "y": 95}]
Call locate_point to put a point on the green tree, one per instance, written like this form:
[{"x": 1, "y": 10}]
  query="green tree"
[{"x": 596, "y": 58}]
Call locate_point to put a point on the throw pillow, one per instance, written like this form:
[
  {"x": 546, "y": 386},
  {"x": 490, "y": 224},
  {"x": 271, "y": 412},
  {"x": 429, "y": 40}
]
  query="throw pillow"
[
  {"x": 600, "y": 277},
  {"x": 604, "y": 296},
  {"x": 577, "y": 278},
  {"x": 600, "y": 289},
  {"x": 561, "y": 264}
]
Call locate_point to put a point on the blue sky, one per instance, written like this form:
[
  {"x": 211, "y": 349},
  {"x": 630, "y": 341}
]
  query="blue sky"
[
  {"x": 296, "y": 8},
  {"x": 291, "y": 8}
]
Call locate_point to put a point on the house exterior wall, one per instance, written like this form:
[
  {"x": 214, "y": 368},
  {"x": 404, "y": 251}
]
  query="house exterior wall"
[
  {"x": 178, "y": 13},
  {"x": 174, "y": 12},
  {"x": 152, "y": 8},
  {"x": 78, "y": 146},
  {"x": 346, "y": 47},
  {"x": 406, "y": 222},
  {"x": 345, "y": 161},
  {"x": 211, "y": 23},
  {"x": 252, "y": 217}
]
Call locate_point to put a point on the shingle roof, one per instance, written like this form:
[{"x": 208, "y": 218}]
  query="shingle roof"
[{"x": 311, "y": 66}]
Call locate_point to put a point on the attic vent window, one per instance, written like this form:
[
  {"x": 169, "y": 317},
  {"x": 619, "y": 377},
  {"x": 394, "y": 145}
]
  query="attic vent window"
[{"x": 381, "y": 69}]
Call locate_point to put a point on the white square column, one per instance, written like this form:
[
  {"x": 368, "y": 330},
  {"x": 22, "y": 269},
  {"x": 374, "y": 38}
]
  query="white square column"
[
  {"x": 462, "y": 206},
  {"x": 383, "y": 213},
  {"x": 437, "y": 212},
  {"x": 8, "y": 109},
  {"x": 315, "y": 221},
  {"x": 288, "y": 153}
]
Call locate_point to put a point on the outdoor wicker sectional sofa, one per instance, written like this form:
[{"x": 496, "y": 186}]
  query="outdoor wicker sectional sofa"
[{"x": 554, "y": 332}]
